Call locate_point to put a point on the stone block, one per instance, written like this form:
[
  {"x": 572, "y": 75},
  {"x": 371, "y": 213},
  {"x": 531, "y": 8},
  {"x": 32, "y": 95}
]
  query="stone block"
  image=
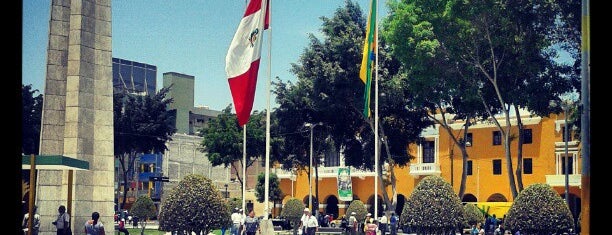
[
  {"x": 88, "y": 8},
  {"x": 85, "y": 145},
  {"x": 65, "y": 3},
  {"x": 72, "y": 101},
  {"x": 70, "y": 145},
  {"x": 55, "y": 88},
  {"x": 51, "y": 146},
  {"x": 50, "y": 178},
  {"x": 58, "y": 42},
  {"x": 54, "y": 102},
  {"x": 54, "y": 117},
  {"x": 104, "y": 58},
  {"x": 104, "y": 103},
  {"x": 80, "y": 178},
  {"x": 72, "y": 112},
  {"x": 103, "y": 28},
  {"x": 60, "y": 13},
  {"x": 57, "y": 27},
  {"x": 57, "y": 57},
  {"x": 56, "y": 72},
  {"x": 103, "y": 12},
  {"x": 103, "y": 42},
  {"x": 85, "y": 192},
  {"x": 104, "y": 161},
  {"x": 53, "y": 132},
  {"x": 81, "y": 53}
]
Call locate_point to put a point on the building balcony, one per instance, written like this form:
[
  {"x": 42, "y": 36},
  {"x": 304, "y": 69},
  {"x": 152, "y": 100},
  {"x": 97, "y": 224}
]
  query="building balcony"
[
  {"x": 572, "y": 146},
  {"x": 559, "y": 180},
  {"x": 424, "y": 169},
  {"x": 325, "y": 172}
]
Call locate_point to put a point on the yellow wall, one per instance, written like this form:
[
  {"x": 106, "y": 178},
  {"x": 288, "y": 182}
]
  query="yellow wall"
[{"x": 482, "y": 183}]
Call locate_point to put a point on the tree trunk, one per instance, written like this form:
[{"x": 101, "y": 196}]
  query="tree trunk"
[
  {"x": 519, "y": 163},
  {"x": 464, "y": 157}
]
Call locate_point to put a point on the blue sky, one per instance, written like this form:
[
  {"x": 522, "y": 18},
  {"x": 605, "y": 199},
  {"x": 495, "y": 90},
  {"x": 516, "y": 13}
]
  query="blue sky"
[{"x": 190, "y": 37}]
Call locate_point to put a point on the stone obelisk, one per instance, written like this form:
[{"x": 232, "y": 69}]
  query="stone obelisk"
[{"x": 77, "y": 116}]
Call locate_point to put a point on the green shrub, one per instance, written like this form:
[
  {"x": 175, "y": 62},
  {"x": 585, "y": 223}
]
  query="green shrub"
[
  {"x": 360, "y": 210},
  {"x": 433, "y": 208},
  {"x": 538, "y": 209},
  {"x": 473, "y": 215},
  {"x": 194, "y": 205},
  {"x": 143, "y": 208},
  {"x": 293, "y": 211}
]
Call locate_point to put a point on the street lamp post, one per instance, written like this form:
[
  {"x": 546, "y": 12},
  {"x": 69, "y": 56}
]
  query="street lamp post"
[
  {"x": 566, "y": 166},
  {"x": 226, "y": 194},
  {"x": 312, "y": 126},
  {"x": 565, "y": 106}
]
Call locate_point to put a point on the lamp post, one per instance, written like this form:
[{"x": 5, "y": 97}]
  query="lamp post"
[
  {"x": 312, "y": 126},
  {"x": 565, "y": 106},
  {"x": 226, "y": 194}
]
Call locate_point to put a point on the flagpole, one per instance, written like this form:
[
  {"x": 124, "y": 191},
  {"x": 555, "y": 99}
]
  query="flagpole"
[
  {"x": 267, "y": 187},
  {"x": 244, "y": 164},
  {"x": 376, "y": 147}
]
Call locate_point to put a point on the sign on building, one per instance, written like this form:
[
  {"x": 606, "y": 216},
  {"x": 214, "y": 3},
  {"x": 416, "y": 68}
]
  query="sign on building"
[{"x": 345, "y": 185}]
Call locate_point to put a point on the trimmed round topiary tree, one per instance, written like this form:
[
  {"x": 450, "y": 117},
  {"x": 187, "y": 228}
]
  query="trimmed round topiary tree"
[
  {"x": 360, "y": 210},
  {"x": 194, "y": 205},
  {"x": 473, "y": 215},
  {"x": 433, "y": 208},
  {"x": 538, "y": 209},
  {"x": 293, "y": 211},
  {"x": 143, "y": 208}
]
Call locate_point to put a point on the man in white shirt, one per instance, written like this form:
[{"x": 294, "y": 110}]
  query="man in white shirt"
[
  {"x": 236, "y": 222},
  {"x": 383, "y": 224},
  {"x": 312, "y": 224},
  {"x": 304, "y": 220}
]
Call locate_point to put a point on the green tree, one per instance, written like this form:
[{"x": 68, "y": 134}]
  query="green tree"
[
  {"x": 31, "y": 113},
  {"x": 275, "y": 193},
  {"x": 539, "y": 210},
  {"x": 194, "y": 205},
  {"x": 328, "y": 84},
  {"x": 360, "y": 210},
  {"x": 293, "y": 211},
  {"x": 433, "y": 208},
  {"x": 141, "y": 125},
  {"x": 223, "y": 140},
  {"x": 143, "y": 208},
  {"x": 504, "y": 49},
  {"x": 473, "y": 215}
]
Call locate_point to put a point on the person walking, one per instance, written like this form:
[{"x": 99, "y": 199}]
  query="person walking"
[
  {"x": 236, "y": 222},
  {"x": 94, "y": 226},
  {"x": 122, "y": 228},
  {"x": 35, "y": 222},
  {"x": 393, "y": 221},
  {"x": 62, "y": 222},
  {"x": 352, "y": 223},
  {"x": 251, "y": 224},
  {"x": 303, "y": 220},
  {"x": 312, "y": 224},
  {"x": 383, "y": 224}
]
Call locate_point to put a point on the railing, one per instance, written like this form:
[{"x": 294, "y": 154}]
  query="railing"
[
  {"x": 571, "y": 146},
  {"x": 425, "y": 169},
  {"x": 324, "y": 172},
  {"x": 559, "y": 180}
]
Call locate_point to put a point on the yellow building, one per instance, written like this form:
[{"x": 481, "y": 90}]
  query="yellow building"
[{"x": 436, "y": 154}]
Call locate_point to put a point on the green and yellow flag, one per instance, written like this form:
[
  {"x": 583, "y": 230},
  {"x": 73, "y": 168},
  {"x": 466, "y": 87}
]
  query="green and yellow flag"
[{"x": 369, "y": 49}]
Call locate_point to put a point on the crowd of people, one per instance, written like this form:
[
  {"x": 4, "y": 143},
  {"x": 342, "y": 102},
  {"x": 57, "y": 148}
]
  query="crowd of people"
[{"x": 62, "y": 223}]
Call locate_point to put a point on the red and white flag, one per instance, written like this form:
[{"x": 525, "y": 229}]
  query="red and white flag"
[{"x": 243, "y": 56}]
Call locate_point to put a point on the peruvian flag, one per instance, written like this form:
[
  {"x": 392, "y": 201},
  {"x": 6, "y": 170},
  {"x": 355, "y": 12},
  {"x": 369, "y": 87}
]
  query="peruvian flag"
[{"x": 242, "y": 60}]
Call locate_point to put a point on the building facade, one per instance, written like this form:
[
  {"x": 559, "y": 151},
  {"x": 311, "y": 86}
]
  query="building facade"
[
  {"x": 543, "y": 154},
  {"x": 134, "y": 77}
]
